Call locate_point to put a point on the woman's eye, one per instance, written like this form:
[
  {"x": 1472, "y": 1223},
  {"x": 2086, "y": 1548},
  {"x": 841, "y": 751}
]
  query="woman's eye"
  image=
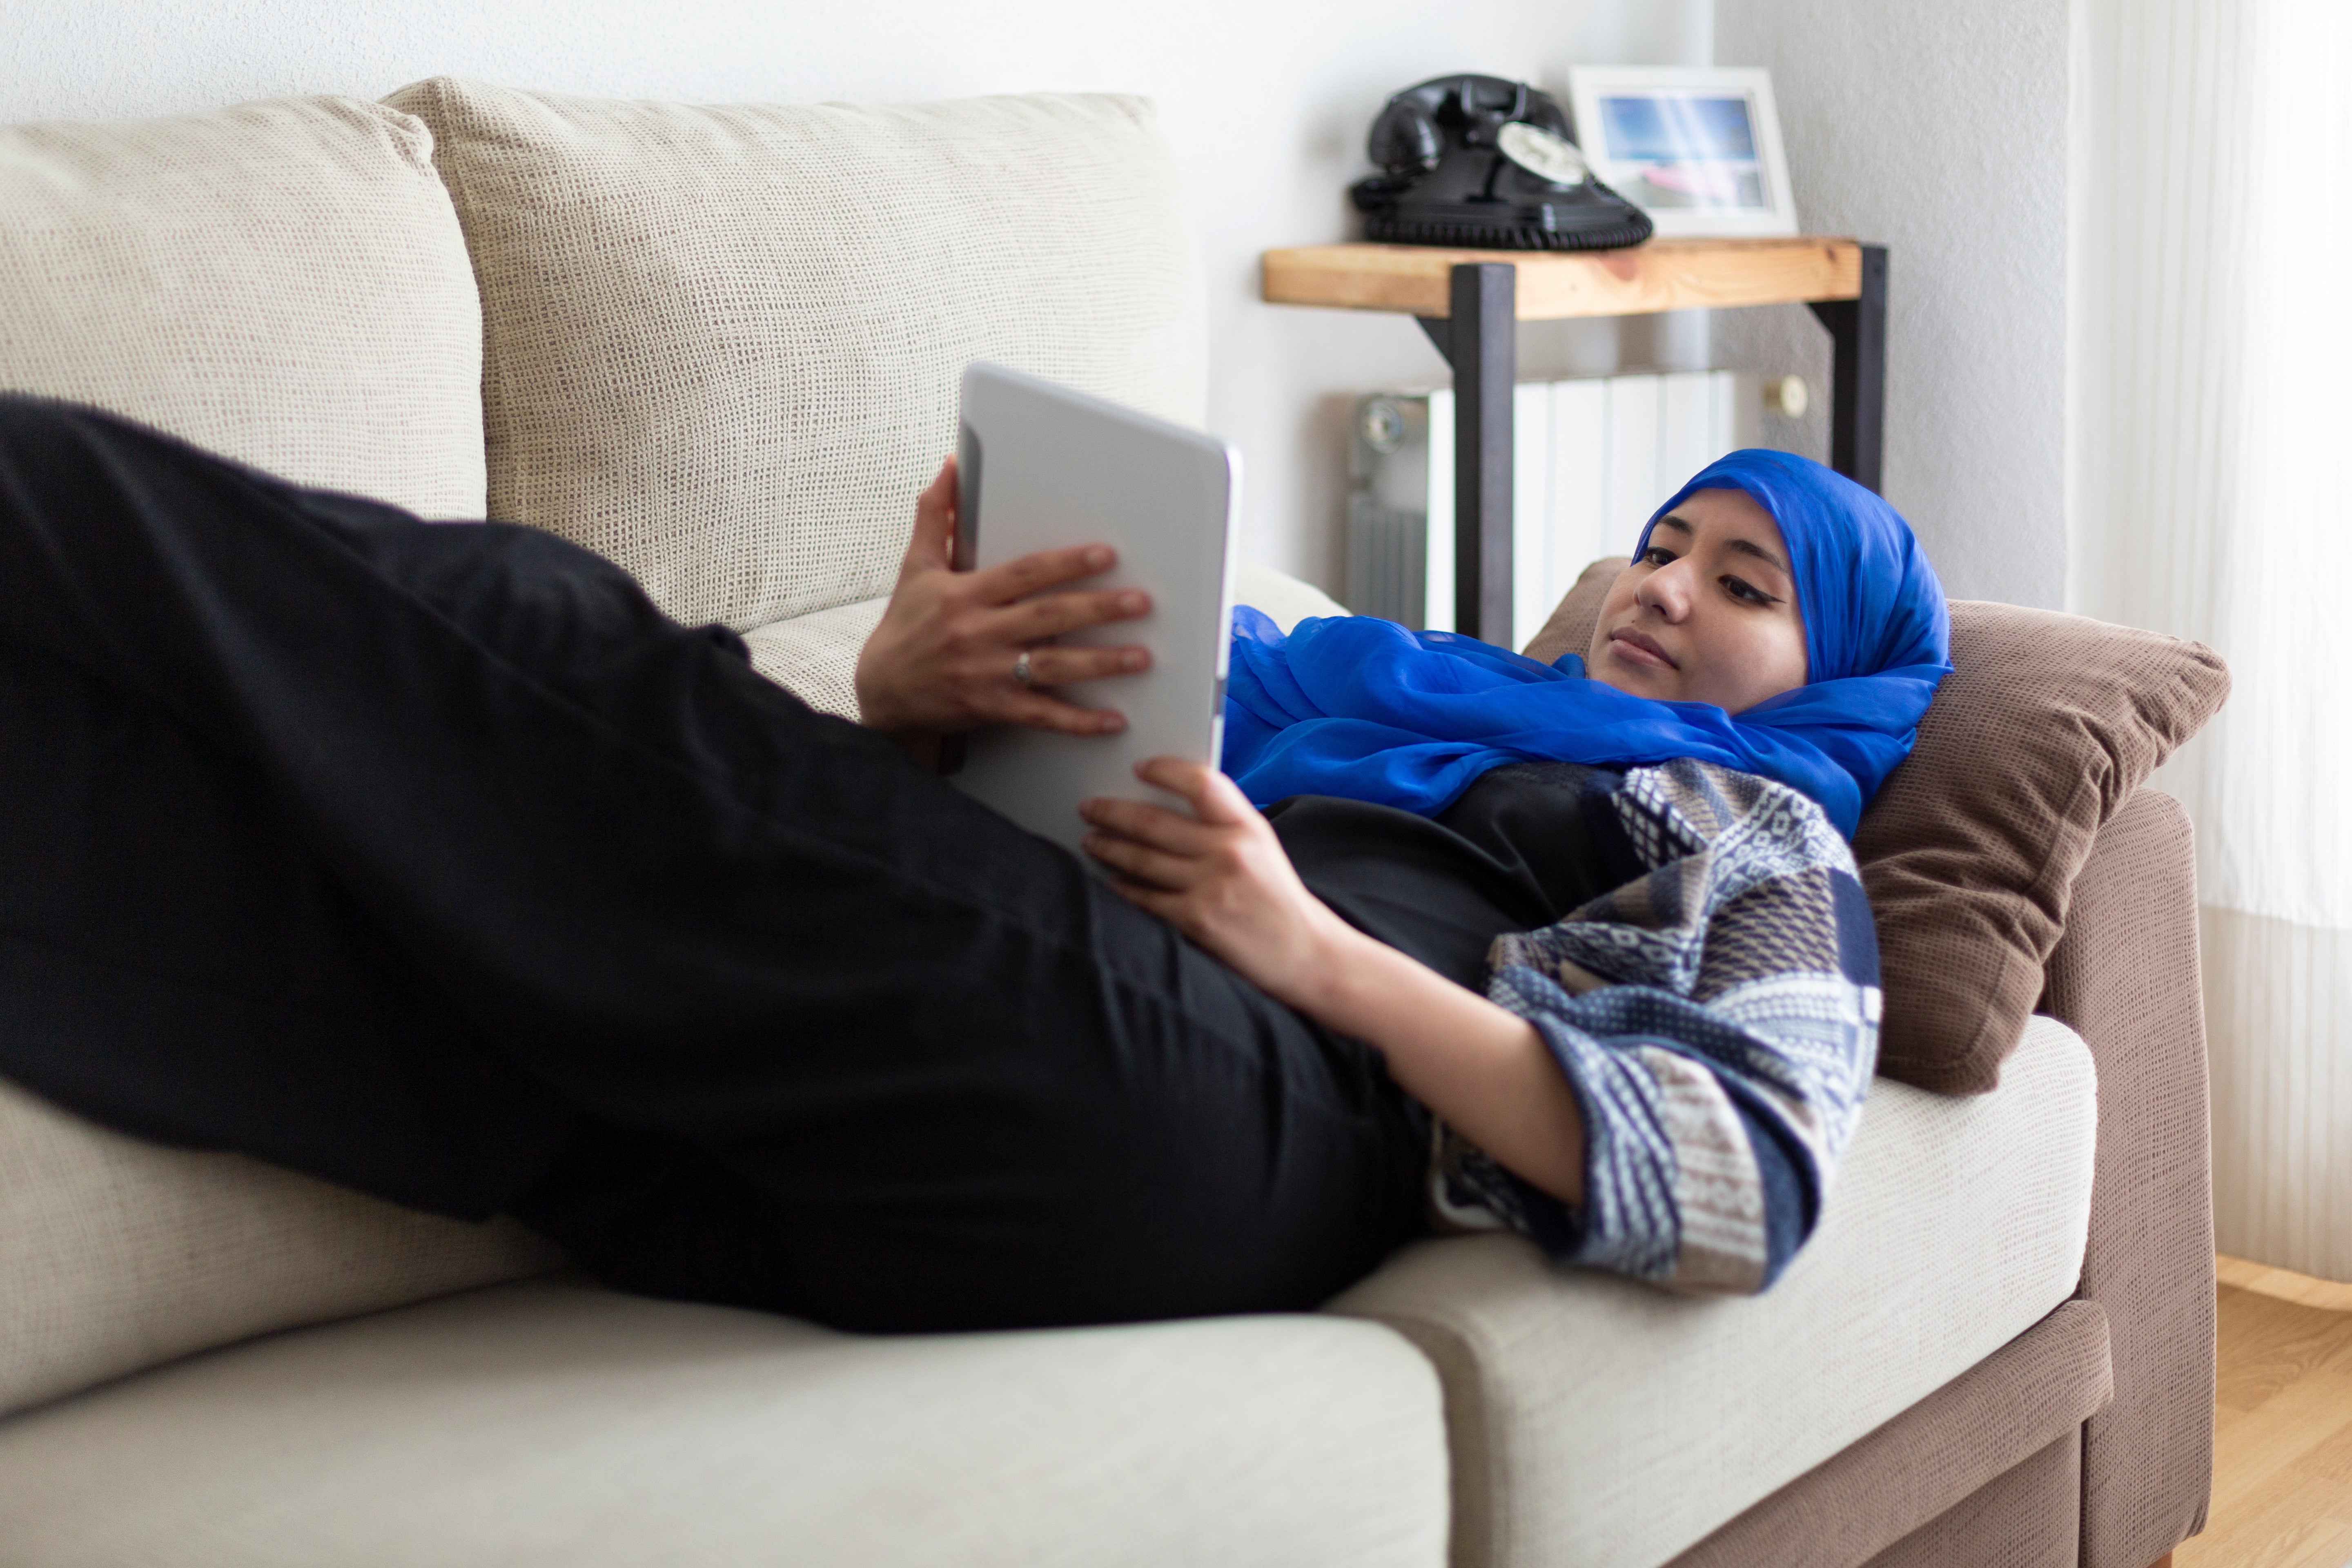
[
  {"x": 1657, "y": 555},
  {"x": 1747, "y": 592}
]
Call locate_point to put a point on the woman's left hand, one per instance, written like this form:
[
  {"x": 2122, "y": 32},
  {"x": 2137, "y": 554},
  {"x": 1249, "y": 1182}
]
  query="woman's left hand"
[{"x": 1221, "y": 876}]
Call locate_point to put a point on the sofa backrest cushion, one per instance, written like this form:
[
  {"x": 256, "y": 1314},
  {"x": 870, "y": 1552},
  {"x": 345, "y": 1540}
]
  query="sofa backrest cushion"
[
  {"x": 116, "y": 1254},
  {"x": 2038, "y": 737},
  {"x": 723, "y": 343},
  {"x": 284, "y": 282}
]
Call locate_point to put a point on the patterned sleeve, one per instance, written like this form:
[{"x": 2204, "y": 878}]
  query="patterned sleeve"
[{"x": 1717, "y": 1019}]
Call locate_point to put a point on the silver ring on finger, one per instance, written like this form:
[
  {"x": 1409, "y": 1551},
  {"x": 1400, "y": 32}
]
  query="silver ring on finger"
[{"x": 1022, "y": 669}]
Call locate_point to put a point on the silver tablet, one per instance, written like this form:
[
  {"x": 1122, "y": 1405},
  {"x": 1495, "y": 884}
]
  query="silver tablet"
[{"x": 1043, "y": 468}]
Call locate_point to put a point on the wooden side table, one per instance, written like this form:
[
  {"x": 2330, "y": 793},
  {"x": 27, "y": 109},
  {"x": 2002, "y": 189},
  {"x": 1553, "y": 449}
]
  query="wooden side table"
[{"x": 1468, "y": 301}]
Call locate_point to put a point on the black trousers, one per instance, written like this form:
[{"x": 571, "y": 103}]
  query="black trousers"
[{"x": 436, "y": 861}]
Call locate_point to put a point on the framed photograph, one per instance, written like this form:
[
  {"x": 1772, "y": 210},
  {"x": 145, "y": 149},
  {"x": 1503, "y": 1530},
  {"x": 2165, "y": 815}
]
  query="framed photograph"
[{"x": 1697, "y": 147}]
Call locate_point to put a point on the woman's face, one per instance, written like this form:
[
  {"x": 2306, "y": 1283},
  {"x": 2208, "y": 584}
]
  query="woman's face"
[{"x": 1709, "y": 613}]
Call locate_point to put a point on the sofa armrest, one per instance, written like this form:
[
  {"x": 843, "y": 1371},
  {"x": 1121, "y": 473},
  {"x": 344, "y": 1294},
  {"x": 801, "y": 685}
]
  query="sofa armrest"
[
  {"x": 2125, "y": 977},
  {"x": 1284, "y": 599}
]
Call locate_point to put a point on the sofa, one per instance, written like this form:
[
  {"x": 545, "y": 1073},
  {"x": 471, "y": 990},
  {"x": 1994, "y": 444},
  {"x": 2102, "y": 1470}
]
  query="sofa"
[{"x": 719, "y": 345}]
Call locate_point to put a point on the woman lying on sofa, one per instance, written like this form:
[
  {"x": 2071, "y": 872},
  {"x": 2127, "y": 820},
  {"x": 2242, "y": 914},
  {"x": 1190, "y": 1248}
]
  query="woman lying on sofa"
[{"x": 437, "y": 862}]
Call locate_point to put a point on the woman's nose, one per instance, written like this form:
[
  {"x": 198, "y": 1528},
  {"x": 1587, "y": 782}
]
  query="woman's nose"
[{"x": 1667, "y": 589}]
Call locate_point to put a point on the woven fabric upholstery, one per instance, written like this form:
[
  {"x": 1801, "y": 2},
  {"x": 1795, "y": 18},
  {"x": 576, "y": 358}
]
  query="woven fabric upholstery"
[
  {"x": 2040, "y": 733},
  {"x": 1285, "y": 600},
  {"x": 116, "y": 1254},
  {"x": 1970, "y": 865},
  {"x": 2029, "y": 1517},
  {"x": 1943, "y": 1471},
  {"x": 722, "y": 343},
  {"x": 814, "y": 657},
  {"x": 283, "y": 283},
  {"x": 1602, "y": 1420},
  {"x": 553, "y": 1425},
  {"x": 2125, "y": 977},
  {"x": 1570, "y": 627}
]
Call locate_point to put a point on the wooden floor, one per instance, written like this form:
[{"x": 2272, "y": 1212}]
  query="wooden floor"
[{"x": 2283, "y": 1434}]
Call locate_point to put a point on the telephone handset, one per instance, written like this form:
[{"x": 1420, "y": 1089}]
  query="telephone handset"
[{"x": 1482, "y": 162}]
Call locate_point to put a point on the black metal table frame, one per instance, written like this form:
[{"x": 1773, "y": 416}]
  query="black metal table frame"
[{"x": 1486, "y": 372}]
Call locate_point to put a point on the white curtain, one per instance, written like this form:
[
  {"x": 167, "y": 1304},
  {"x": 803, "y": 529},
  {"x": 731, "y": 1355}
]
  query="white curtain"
[{"x": 2209, "y": 466}]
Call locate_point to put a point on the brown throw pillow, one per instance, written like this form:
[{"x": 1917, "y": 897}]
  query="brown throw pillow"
[
  {"x": 1570, "y": 630},
  {"x": 2044, "y": 728}
]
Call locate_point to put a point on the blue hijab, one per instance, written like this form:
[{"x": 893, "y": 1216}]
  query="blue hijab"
[{"x": 1364, "y": 708}]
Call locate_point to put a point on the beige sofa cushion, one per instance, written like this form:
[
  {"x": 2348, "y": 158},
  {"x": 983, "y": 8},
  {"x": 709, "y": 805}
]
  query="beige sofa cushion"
[
  {"x": 723, "y": 342},
  {"x": 1591, "y": 1410},
  {"x": 814, "y": 657},
  {"x": 284, "y": 282},
  {"x": 116, "y": 1254},
  {"x": 560, "y": 1426},
  {"x": 1285, "y": 600}
]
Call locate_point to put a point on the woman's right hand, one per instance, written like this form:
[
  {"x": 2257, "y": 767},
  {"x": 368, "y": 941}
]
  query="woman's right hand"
[{"x": 942, "y": 659}]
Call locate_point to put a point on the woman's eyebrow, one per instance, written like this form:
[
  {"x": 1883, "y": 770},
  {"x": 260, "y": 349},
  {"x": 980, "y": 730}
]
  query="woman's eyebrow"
[{"x": 1758, "y": 551}]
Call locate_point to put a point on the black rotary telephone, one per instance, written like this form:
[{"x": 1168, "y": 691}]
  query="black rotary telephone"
[{"x": 1478, "y": 161}]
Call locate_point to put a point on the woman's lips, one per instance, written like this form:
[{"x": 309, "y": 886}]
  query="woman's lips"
[{"x": 1640, "y": 648}]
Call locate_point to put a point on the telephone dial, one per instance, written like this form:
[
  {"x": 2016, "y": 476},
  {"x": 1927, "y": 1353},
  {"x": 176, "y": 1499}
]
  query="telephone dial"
[{"x": 1482, "y": 162}]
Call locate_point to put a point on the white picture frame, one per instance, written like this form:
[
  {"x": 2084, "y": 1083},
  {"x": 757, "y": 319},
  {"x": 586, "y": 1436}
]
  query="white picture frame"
[{"x": 1695, "y": 147}]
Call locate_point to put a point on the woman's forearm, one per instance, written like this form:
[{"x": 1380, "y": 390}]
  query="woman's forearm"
[{"x": 1485, "y": 1071}]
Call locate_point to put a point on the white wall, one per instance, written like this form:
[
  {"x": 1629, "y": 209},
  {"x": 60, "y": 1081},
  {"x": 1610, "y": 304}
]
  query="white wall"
[
  {"x": 1938, "y": 130},
  {"x": 1266, "y": 106}
]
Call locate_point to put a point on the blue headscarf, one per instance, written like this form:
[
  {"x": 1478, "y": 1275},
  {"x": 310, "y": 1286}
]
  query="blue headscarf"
[{"x": 1364, "y": 708}]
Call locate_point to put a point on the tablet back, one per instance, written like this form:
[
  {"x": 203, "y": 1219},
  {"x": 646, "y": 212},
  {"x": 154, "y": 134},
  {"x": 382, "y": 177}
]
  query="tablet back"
[{"x": 1044, "y": 467}]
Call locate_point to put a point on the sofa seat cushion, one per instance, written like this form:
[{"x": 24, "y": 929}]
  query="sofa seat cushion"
[
  {"x": 553, "y": 1423},
  {"x": 1591, "y": 1410},
  {"x": 283, "y": 283},
  {"x": 116, "y": 1253}
]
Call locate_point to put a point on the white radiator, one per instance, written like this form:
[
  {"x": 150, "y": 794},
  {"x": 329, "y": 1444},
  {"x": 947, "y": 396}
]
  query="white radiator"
[{"x": 1594, "y": 457}]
